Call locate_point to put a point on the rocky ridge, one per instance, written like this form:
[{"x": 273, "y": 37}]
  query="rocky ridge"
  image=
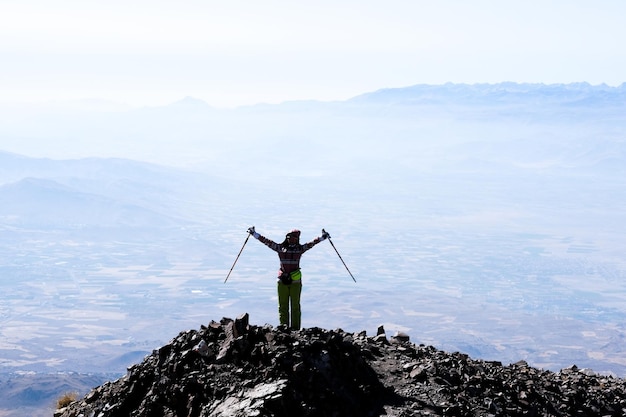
[{"x": 231, "y": 368}]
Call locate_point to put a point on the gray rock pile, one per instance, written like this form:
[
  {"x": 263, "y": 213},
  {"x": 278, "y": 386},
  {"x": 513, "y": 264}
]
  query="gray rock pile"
[{"x": 232, "y": 369}]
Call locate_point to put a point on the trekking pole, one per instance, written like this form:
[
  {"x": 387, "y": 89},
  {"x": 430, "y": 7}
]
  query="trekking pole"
[
  {"x": 231, "y": 268},
  {"x": 344, "y": 264}
]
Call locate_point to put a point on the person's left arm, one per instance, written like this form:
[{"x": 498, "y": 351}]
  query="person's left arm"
[{"x": 309, "y": 245}]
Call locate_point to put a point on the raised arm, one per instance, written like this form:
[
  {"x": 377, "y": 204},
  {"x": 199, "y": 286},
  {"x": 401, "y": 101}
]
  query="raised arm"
[
  {"x": 309, "y": 245},
  {"x": 267, "y": 242}
]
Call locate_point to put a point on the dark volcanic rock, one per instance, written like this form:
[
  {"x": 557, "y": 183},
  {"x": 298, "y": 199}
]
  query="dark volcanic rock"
[{"x": 232, "y": 369}]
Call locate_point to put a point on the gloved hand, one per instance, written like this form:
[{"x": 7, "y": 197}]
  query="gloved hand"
[
  {"x": 253, "y": 232},
  {"x": 325, "y": 235}
]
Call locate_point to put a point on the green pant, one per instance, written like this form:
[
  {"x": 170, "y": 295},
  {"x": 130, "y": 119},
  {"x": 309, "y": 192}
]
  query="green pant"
[{"x": 289, "y": 294}]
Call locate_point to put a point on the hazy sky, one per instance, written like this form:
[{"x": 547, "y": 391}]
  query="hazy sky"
[{"x": 242, "y": 52}]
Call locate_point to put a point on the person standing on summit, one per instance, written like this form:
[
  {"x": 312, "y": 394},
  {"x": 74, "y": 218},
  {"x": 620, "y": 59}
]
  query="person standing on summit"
[{"x": 289, "y": 276}]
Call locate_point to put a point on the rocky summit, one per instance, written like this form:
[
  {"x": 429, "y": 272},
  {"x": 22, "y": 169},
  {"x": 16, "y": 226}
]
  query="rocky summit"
[{"x": 231, "y": 368}]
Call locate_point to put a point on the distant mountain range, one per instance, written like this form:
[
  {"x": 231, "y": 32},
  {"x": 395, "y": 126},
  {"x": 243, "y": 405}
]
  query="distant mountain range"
[
  {"x": 101, "y": 192},
  {"x": 321, "y": 136},
  {"x": 46, "y": 204},
  {"x": 578, "y": 94},
  {"x": 383, "y": 138},
  {"x": 82, "y": 193}
]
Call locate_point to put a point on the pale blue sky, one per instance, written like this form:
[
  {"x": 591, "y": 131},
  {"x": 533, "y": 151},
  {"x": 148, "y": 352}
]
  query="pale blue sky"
[{"x": 243, "y": 52}]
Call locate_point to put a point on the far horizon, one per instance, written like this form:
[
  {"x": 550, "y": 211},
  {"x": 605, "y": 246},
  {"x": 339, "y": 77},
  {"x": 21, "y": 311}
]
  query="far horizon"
[
  {"x": 119, "y": 104},
  {"x": 237, "y": 54}
]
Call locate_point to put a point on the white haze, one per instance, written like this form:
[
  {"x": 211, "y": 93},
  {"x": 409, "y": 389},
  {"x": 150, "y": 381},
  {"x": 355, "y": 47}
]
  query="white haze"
[{"x": 487, "y": 219}]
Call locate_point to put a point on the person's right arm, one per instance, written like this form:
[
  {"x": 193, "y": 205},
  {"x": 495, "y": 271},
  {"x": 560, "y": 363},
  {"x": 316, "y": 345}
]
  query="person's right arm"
[{"x": 267, "y": 242}]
